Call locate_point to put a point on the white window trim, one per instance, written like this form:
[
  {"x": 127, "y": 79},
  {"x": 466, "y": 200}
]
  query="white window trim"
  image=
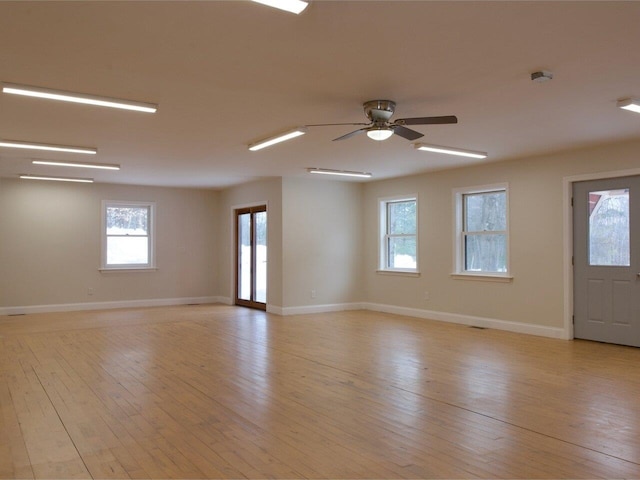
[
  {"x": 382, "y": 229},
  {"x": 458, "y": 258},
  {"x": 151, "y": 266}
]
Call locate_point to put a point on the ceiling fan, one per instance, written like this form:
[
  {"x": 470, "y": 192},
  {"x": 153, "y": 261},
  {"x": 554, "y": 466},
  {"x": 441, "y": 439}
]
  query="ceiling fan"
[{"x": 380, "y": 127}]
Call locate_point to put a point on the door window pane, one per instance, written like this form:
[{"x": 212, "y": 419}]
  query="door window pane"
[
  {"x": 244, "y": 256},
  {"x": 609, "y": 228},
  {"x": 261, "y": 256}
]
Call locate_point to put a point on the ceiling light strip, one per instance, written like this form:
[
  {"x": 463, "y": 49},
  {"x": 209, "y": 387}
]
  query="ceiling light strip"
[
  {"x": 630, "y": 104},
  {"x": 343, "y": 173},
  {"x": 101, "y": 166},
  {"x": 56, "y": 179},
  {"x": 60, "y": 95},
  {"x": 293, "y": 6},
  {"x": 449, "y": 150},
  {"x": 47, "y": 147},
  {"x": 277, "y": 139}
]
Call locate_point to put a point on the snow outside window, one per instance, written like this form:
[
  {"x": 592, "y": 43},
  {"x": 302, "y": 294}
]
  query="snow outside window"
[
  {"x": 398, "y": 234},
  {"x": 128, "y": 235}
]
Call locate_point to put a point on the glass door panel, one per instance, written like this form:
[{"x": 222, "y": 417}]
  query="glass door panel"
[
  {"x": 244, "y": 256},
  {"x": 261, "y": 257},
  {"x": 251, "y": 255}
]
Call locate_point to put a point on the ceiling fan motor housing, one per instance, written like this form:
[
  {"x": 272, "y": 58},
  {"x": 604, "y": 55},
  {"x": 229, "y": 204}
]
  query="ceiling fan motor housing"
[{"x": 379, "y": 111}]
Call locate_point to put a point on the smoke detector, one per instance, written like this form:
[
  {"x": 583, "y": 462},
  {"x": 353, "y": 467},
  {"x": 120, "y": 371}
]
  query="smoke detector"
[{"x": 541, "y": 76}]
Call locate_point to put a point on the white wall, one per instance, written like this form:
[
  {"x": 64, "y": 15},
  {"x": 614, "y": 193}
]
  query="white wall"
[
  {"x": 253, "y": 193},
  {"x": 323, "y": 236},
  {"x": 322, "y": 242},
  {"x": 50, "y": 244},
  {"x": 313, "y": 239},
  {"x": 536, "y": 294}
]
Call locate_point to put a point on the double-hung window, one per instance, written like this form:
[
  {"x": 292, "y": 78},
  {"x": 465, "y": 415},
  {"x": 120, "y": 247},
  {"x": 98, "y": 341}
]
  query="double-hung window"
[
  {"x": 399, "y": 234},
  {"x": 482, "y": 236},
  {"x": 128, "y": 240}
]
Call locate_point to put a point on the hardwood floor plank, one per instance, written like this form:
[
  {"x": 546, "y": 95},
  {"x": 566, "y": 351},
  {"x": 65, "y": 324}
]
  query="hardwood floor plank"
[{"x": 215, "y": 391}]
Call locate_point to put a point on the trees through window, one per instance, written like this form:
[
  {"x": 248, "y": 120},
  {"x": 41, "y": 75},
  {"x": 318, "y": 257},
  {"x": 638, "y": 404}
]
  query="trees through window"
[
  {"x": 399, "y": 239},
  {"x": 128, "y": 240},
  {"x": 483, "y": 246}
]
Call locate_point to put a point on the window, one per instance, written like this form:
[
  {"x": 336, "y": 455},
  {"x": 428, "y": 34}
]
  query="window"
[
  {"x": 609, "y": 243},
  {"x": 482, "y": 236},
  {"x": 128, "y": 241},
  {"x": 398, "y": 234}
]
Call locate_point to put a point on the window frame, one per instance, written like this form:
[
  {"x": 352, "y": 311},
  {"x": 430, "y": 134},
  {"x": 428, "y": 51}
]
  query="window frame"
[
  {"x": 460, "y": 234},
  {"x": 151, "y": 236},
  {"x": 384, "y": 235}
]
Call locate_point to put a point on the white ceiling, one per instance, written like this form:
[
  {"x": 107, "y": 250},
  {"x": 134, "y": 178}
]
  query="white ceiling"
[{"x": 227, "y": 73}]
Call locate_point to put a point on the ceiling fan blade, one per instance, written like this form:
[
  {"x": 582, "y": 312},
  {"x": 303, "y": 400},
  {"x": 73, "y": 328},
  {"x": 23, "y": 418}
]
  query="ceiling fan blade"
[
  {"x": 427, "y": 120},
  {"x": 406, "y": 132},
  {"x": 334, "y": 124},
  {"x": 351, "y": 134}
]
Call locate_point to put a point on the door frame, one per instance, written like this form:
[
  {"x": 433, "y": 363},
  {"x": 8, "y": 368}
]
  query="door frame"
[
  {"x": 567, "y": 255},
  {"x": 233, "y": 281}
]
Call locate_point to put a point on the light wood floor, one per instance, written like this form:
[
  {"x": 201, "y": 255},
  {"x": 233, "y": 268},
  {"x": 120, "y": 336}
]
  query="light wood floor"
[{"x": 223, "y": 392}]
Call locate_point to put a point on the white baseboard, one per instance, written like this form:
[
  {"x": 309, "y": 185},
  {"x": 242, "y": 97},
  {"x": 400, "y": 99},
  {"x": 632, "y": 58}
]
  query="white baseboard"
[
  {"x": 527, "y": 328},
  {"x": 516, "y": 327},
  {"x": 71, "y": 307},
  {"x": 302, "y": 310},
  {"x": 224, "y": 300},
  {"x": 484, "y": 322}
]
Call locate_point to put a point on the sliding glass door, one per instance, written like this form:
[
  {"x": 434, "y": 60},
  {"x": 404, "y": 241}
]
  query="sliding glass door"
[{"x": 251, "y": 257}]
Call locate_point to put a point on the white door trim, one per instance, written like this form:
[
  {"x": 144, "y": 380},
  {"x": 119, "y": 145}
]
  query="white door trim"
[{"x": 567, "y": 236}]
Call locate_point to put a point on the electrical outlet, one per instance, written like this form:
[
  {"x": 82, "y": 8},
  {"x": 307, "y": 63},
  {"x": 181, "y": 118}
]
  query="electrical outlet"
[
  {"x": 426, "y": 295},
  {"x": 89, "y": 291},
  {"x": 313, "y": 293}
]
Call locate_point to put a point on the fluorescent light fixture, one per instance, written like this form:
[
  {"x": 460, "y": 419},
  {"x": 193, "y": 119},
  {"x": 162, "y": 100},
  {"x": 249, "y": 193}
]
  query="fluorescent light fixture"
[
  {"x": 277, "y": 139},
  {"x": 379, "y": 134},
  {"x": 293, "y": 6},
  {"x": 57, "y": 179},
  {"x": 49, "y": 148},
  {"x": 449, "y": 150},
  {"x": 101, "y": 166},
  {"x": 629, "y": 104},
  {"x": 344, "y": 173},
  {"x": 78, "y": 98}
]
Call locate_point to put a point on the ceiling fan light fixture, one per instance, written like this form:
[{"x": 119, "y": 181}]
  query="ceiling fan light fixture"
[
  {"x": 82, "y": 98},
  {"x": 267, "y": 142},
  {"x": 47, "y": 147},
  {"x": 101, "y": 166},
  {"x": 293, "y": 6},
  {"x": 56, "y": 179},
  {"x": 379, "y": 133},
  {"x": 449, "y": 150},
  {"x": 633, "y": 105},
  {"x": 343, "y": 173}
]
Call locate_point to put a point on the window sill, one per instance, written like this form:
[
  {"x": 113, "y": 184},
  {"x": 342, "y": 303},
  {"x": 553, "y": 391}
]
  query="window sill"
[
  {"x": 127, "y": 269},
  {"x": 401, "y": 273},
  {"x": 482, "y": 277}
]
